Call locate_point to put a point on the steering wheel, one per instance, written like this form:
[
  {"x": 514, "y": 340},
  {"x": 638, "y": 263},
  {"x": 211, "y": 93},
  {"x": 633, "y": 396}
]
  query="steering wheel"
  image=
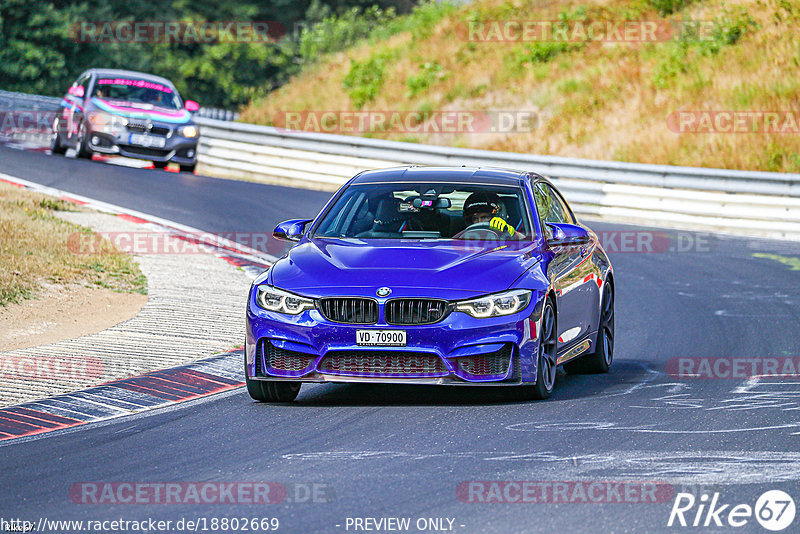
[{"x": 482, "y": 230}]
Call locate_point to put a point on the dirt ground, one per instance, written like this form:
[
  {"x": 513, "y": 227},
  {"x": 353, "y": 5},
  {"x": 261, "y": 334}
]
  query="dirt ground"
[{"x": 64, "y": 312}]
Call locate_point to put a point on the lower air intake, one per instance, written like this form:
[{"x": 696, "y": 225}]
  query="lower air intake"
[
  {"x": 283, "y": 361},
  {"x": 492, "y": 365},
  {"x": 383, "y": 364}
]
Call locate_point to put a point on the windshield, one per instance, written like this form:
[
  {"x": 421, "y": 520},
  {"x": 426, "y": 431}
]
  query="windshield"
[
  {"x": 141, "y": 93},
  {"x": 427, "y": 211}
]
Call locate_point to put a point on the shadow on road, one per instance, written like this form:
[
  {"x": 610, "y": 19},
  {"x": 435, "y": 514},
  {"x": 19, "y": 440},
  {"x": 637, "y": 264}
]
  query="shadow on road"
[{"x": 625, "y": 375}]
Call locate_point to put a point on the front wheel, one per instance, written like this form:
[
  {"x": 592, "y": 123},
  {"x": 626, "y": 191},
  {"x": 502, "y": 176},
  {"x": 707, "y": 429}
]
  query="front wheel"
[
  {"x": 547, "y": 361},
  {"x": 82, "y": 146},
  {"x": 55, "y": 145},
  {"x": 272, "y": 391},
  {"x": 547, "y": 365},
  {"x": 600, "y": 360}
]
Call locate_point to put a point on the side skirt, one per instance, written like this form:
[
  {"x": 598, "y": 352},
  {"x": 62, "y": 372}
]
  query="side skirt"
[{"x": 577, "y": 350}]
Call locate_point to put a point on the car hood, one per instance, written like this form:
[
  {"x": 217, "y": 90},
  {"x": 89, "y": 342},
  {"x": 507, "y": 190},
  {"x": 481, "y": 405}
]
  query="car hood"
[
  {"x": 324, "y": 267},
  {"x": 141, "y": 112}
]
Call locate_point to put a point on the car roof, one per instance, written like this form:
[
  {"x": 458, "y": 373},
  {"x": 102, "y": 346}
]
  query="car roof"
[
  {"x": 130, "y": 74},
  {"x": 421, "y": 174}
]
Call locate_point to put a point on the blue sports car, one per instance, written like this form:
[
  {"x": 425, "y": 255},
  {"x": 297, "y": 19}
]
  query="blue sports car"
[{"x": 423, "y": 275}]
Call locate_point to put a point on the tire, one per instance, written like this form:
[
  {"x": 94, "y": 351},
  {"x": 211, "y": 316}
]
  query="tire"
[
  {"x": 188, "y": 168},
  {"x": 547, "y": 366},
  {"x": 271, "y": 391},
  {"x": 55, "y": 145},
  {"x": 81, "y": 148},
  {"x": 601, "y": 359},
  {"x": 160, "y": 164}
]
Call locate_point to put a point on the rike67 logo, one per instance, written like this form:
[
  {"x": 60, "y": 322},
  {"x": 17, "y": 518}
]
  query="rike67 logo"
[{"x": 774, "y": 510}]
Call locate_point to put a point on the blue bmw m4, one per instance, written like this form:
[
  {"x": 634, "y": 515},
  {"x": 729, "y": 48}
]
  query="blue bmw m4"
[{"x": 433, "y": 275}]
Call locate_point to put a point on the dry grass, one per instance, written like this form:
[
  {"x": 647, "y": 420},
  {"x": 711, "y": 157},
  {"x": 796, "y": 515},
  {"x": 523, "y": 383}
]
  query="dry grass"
[
  {"x": 602, "y": 101},
  {"x": 34, "y": 251}
]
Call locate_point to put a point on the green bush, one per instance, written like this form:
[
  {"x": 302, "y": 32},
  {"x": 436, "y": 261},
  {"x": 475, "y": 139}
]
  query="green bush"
[
  {"x": 673, "y": 63},
  {"x": 419, "y": 22},
  {"x": 428, "y": 73},
  {"x": 678, "y": 56},
  {"x": 667, "y": 7},
  {"x": 335, "y": 33},
  {"x": 536, "y": 52},
  {"x": 727, "y": 30},
  {"x": 364, "y": 80}
]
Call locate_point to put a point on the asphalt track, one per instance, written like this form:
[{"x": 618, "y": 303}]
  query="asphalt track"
[{"x": 403, "y": 451}]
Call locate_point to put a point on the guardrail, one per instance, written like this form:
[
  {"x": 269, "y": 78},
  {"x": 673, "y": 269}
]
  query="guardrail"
[
  {"x": 762, "y": 204},
  {"x": 217, "y": 114}
]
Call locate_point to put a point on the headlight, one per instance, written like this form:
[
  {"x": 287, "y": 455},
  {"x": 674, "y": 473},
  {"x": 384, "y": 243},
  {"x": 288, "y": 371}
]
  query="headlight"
[
  {"x": 278, "y": 300},
  {"x": 496, "y": 305},
  {"x": 107, "y": 121},
  {"x": 188, "y": 131}
]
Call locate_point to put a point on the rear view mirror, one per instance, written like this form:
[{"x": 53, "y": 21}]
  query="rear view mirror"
[
  {"x": 291, "y": 230},
  {"x": 77, "y": 90},
  {"x": 191, "y": 105},
  {"x": 439, "y": 203}
]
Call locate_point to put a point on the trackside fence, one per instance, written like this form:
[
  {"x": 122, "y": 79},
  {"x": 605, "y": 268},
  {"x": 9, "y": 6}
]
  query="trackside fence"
[{"x": 763, "y": 204}]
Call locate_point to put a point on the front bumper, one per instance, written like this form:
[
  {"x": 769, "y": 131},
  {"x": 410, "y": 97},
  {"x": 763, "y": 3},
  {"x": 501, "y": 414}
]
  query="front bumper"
[
  {"x": 177, "y": 149},
  {"x": 459, "y": 346}
]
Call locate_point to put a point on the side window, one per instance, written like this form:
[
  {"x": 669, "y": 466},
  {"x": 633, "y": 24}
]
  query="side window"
[
  {"x": 552, "y": 209},
  {"x": 547, "y": 205},
  {"x": 563, "y": 208}
]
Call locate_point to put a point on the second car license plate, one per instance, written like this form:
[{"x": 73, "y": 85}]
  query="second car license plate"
[
  {"x": 149, "y": 141},
  {"x": 381, "y": 338}
]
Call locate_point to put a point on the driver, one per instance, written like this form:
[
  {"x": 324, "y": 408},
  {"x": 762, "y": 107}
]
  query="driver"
[
  {"x": 486, "y": 209},
  {"x": 481, "y": 207}
]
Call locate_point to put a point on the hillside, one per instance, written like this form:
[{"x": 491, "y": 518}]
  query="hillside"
[{"x": 618, "y": 96}]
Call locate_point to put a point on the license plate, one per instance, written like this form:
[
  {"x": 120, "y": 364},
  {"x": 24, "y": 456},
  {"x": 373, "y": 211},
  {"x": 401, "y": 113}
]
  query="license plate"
[
  {"x": 149, "y": 141},
  {"x": 381, "y": 338}
]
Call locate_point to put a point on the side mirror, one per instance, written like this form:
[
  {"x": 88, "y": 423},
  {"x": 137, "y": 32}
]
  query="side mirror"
[
  {"x": 291, "y": 230},
  {"x": 567, "y": 235},
  {"x": 191, "y": 105},
  {"x": 77, "y": 90}
]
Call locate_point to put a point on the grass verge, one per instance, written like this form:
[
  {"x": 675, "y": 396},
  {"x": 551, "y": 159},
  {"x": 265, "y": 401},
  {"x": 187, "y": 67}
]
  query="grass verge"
[{"x": 33, "y": 250}]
